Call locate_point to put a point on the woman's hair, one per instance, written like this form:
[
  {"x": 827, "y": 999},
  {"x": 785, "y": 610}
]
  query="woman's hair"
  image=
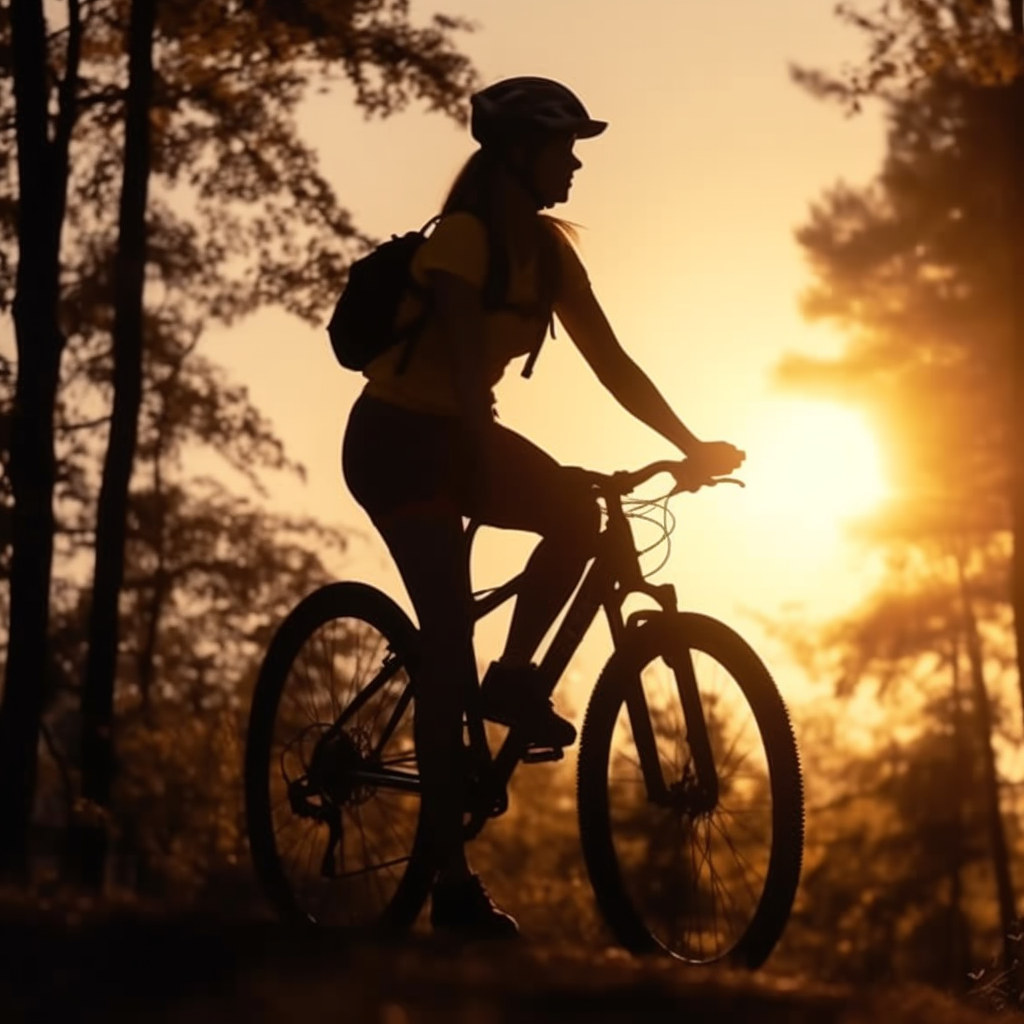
[{"x": 475, "y": 191}]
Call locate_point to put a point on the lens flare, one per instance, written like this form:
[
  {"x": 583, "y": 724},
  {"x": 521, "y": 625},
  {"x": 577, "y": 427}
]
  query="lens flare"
[{"x": 818, "y": 464}]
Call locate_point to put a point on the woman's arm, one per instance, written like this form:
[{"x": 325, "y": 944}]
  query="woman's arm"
[{"x": 592, "y": 334}]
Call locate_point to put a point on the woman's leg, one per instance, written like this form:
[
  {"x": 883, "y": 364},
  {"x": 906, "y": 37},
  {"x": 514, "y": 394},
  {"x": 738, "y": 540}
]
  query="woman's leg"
[
  {"x": 528, "y": 490},
  {"x": 398, "y": 466},
  {"x": 429, "y": 547},
  {"x": 551, "y": 575}
]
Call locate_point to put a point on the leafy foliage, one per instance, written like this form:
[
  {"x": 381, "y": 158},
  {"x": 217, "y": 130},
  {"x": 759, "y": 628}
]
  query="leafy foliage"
[
  {"x": 914, "y": 269},
  {"x": 240, "y": 216},
  {"x": 913, "y": 42}
]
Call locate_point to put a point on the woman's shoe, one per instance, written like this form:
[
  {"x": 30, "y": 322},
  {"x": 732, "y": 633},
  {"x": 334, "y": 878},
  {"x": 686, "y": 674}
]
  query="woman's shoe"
[
  {"x": 463, "y": 907},
  {"x": 514, "y": 694}
]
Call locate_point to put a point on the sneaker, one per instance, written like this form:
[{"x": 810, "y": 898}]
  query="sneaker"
[
  {"x": 510, "y": 695},
  {"x": 463, "y": 907}
]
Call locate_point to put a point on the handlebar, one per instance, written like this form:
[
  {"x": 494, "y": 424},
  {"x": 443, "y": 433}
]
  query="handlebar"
[{"x": 622, "y": 483}]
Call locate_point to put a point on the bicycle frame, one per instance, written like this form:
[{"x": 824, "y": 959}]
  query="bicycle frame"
[{"x": 612, "y": 576}]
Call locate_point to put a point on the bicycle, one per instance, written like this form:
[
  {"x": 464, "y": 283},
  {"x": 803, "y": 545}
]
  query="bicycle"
[{"x": 693, "y": 843}]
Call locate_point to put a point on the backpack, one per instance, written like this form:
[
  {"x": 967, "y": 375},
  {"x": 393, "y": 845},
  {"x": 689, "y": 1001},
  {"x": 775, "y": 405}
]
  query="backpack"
[{"x": 362, "y": 326}]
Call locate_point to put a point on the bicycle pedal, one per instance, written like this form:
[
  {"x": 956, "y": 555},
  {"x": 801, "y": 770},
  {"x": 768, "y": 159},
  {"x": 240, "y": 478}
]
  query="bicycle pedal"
[{"x": 538, "y": 755}]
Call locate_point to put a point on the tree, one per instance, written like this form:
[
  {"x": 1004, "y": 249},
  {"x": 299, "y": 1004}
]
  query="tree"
[
  {"x": 912, "y": 45},
  {"x": 911, "y": 842},
  {"x": 257, "y": 221},
  {"x": 43, "y": 169},
  {"x": 129, "y": 279},
  {"x": 209, "y": 574},
  {"x": 910, "y": 269}
]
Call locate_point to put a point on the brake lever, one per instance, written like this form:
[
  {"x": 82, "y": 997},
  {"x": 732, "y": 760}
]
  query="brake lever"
[{"x": 710, "y": 481}]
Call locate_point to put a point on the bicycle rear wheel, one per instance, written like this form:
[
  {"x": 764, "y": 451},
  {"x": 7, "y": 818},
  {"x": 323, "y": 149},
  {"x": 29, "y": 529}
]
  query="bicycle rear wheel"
[
  {"x": 672, "y": 873},
  {"x": 331, "y": 784}
]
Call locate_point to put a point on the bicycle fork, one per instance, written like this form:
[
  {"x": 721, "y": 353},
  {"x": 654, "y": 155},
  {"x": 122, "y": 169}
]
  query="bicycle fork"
[{"x": 697, "y": 792}]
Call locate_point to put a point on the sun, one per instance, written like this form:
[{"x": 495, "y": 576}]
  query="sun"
[{"x": 818, "y": 464}]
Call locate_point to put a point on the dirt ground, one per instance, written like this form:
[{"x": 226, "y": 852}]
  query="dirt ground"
[{"x": 200, "y": 971}]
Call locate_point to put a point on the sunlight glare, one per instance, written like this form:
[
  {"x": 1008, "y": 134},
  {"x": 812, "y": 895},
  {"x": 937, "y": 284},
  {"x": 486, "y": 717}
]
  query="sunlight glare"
[{"x": 818, "y": 464}]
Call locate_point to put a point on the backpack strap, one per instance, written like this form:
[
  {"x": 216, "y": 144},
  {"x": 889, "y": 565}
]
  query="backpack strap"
[
  {"x": 548, "y": 280},
  {"x": 549, "y": 274},
  {"x": 410, "y": 334},
  {"x": 494, "y": 290}
]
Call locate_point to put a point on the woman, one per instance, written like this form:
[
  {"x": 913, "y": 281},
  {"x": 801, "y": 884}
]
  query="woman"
[{"x": 422, "y": 447}]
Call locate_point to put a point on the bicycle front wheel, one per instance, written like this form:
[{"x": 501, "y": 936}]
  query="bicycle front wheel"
[
  {"x": 671, "y": 871},
  {"x": 331, "y": 784}
]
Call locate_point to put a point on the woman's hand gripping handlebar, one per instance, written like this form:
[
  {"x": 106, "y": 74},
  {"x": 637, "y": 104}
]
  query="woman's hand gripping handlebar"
[
  {"x": 688, "y": 475},
  {"x": 708, "y": 464}
]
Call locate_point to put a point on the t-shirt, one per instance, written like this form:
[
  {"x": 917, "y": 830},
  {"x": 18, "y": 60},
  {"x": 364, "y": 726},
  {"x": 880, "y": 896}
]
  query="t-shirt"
[{"x": 459, "y": 246}]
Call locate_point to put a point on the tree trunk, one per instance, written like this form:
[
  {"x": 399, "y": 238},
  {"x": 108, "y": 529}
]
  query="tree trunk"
[
  {"x": 42, "y": 197},
  {"x": 1015, "y": 235},
  {"x": 958, "y": 940},
  {"x": 162, "y": 582},
  {"x": 1014, "y": 185},
  {"x": 982, "y": 720},
  {"x": 91, "y": 833}
]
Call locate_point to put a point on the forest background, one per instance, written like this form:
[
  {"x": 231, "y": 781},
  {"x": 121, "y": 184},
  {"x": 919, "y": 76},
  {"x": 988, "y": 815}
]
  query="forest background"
[{"x": 181, "y": 190}]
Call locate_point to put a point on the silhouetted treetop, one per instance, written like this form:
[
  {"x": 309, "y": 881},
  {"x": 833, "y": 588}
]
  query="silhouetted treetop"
[
  {"x": 910, "y": 42},
  {"x": 239, "y": 191}
]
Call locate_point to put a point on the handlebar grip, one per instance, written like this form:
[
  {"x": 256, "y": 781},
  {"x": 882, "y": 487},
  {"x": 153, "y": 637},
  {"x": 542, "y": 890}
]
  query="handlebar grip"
[
  {"x": 625, "y": 481},
  {"x": 711, "y": 481}
]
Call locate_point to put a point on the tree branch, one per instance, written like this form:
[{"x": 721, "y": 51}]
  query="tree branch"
[
  {"x": 84, "y": 425},
  {"x": 67, "y": 91}
]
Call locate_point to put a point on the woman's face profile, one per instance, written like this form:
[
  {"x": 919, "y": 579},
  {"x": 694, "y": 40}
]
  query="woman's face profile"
[{"x": 554, "y": 164}]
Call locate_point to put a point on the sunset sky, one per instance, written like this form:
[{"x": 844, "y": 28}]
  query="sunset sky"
[{"x": 688, "y": 204}]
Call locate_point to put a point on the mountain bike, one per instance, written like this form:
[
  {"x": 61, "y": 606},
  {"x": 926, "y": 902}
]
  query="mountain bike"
[{"x": 689, "y": 788}]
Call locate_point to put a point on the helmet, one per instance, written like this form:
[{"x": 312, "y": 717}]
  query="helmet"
[{"x": 514, "y": 104}]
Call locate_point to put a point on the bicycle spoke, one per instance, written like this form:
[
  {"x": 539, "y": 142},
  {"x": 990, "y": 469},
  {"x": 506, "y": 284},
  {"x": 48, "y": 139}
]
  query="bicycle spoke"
[
  {"x": 385, "y": 694},
  {"x": 717, "y": 887},
  {"x": 368, "y": 846},
  {"x": 377, "y": 867},
  {"x": 307, "y": 838},
  {"x": 741, "y": 861},
  {"x": 309, "y": 706},
  {"x": 349, "y": 682},
  {"x": 741, "y": 825},
  {"x": 697, "y": 887},
  {"x": 343, "y": 707},
  {"x": 314, "y": 691},
  {"x": 726, "y": 760},
  {"x": 331, "y": 659}
]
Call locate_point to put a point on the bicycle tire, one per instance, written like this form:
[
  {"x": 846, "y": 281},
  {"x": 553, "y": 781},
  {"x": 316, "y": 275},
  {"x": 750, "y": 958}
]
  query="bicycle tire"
[
  {"x": 360, "y": 609},
  {"x": 630, "y": 895}
]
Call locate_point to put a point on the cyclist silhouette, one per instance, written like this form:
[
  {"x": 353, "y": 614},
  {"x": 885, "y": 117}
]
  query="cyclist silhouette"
[{"x": 422, "y": 447}]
